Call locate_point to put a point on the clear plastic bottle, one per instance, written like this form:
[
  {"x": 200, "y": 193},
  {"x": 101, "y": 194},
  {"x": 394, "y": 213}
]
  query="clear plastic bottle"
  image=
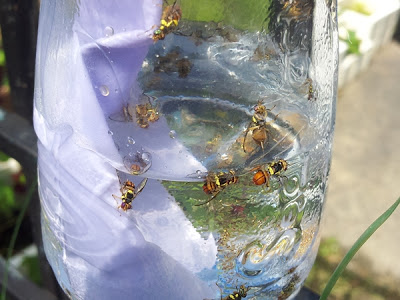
[{"x": 184, "y": 148}]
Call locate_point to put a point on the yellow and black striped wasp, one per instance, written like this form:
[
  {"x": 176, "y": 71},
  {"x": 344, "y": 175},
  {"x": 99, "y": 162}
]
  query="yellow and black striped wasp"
[
  {"x": 264, "y": 173},
  {"x": 129, "y": 193},
  {"x": 237, "y": 295},
  {"x": 169, "y": 21},
  {"x": 215, "y": 183},
  {"x": 311, "y": 93},
  {"x": 258, "y": 125}
]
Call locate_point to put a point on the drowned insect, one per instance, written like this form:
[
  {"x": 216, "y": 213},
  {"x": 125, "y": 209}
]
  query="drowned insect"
[
  {"x": 169, "y": 21},
  {"x": 237, "y": 295},
  {"x": 144, "y": 113},
  {"x": 215, "y": 183},
  {"x": 129, "y": 193},
  {"x": 264, "y": 173},
  {"x": 258, "y": 125},
  {"x": 311, "y": 92}
]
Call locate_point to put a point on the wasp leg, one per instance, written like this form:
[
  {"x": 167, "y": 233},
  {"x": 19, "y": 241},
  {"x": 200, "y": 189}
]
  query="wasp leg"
[
  {"x": 281, "y": 179},
  {"x": 115, "y": 198},
  {"x": 246, "y": 134},
  {"x": 209, "y": 200}
]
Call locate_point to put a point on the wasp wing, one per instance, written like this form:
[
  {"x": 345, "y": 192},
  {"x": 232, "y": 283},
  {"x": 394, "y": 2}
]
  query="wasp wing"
[{"x": 141, "y": 186}]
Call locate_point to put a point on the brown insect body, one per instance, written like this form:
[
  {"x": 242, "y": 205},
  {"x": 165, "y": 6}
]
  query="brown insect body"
[
  {"x": 146, "y": 113},
  {"x": 169, "y": 21},
  {"x": 237, "y": 295},
  {"x": 215, "y": 183},
  {"x": 129, "y": 193},
  {"x": 258, "y": 125},
  {"x": 264, "y": 173}
]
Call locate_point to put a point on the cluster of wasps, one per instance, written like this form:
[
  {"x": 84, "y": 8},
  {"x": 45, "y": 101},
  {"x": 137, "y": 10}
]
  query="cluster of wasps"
[
  {"x": 258, "y": 127},
  {"x": 217, "y": 182}
]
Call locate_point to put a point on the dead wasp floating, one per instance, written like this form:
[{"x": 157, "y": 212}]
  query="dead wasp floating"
[
  {"x": 258, "y": 125},
  {"x": 129, "y": 193},
  {"x": 237, "y": 295},
  {"x": 311, "y": 92},
  {"x": 146, "y": 113},
  {"x": 264, "y": 173},
  {"x": 169, "y": 21},
  {"x": 215, "y": 183}
]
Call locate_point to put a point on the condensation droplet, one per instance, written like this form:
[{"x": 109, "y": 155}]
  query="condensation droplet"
[
  {"x": 199, "y": 174},
  {"x": 131, "y": 140},
  {"x": 172, "y": 134},
  {"x": 146, "y": 156},
  {"x": 110, "y": 132},
  {"x": 116, "y": 91},
  {"x": 108, "y": 31},
  {"x": 104, "y": 90}
]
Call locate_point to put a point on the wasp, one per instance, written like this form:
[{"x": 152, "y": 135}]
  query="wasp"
[
  {"x": 264, "y": 173},
  {"x": 215, "y": 183},
  {"x": 129, "y": 193},
  {"x": 258, "y": 125},
  {"x": 169, "y": 21},
  {"x": 146, "y": 113},
  {"x": 237, "y": 295},
  {"x": 310, "y": 93}
]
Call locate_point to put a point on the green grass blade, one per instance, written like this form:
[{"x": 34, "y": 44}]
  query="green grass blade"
[
  {"x": 13, "y": 239},
  {"x": 357, "y": 245}
]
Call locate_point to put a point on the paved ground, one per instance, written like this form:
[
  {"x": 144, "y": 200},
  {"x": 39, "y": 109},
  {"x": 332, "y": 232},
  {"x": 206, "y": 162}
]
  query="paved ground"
[{"x": 365, "y": 174}]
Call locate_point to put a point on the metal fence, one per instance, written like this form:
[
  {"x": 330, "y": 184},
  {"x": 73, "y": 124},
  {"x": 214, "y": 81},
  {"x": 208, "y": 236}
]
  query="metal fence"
[{"x": 18, "y": 22}]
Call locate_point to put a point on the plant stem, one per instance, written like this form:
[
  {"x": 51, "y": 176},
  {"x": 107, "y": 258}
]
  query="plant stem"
[
  {"x": 13, "y": 239},
  {"x": 357, "y": 245}
]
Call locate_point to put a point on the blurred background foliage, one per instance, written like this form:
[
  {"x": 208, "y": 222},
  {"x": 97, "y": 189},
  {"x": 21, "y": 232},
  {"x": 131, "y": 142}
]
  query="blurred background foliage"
[{"x": 235, "y": 13}]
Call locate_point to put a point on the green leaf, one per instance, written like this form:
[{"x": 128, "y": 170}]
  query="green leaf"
[
  {"x": 352, "y": 42},
  {"x": 13, "y": 239},
  {"x": 7, "y": 200},
  {"x": 357, "y": 245},
  {"x": 2, "y": 58}
]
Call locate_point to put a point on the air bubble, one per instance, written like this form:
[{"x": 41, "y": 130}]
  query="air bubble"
[
  {"x": 110, "y": 132},
  {"x": 172, "y": 134},
  {"x": 137, "y": 163},
  {"x": 146, "y": 157},
  {"x": 108, "y": 31},
  {"x": 131, "y": 140},
  {"x": 104, "y": 90}
]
